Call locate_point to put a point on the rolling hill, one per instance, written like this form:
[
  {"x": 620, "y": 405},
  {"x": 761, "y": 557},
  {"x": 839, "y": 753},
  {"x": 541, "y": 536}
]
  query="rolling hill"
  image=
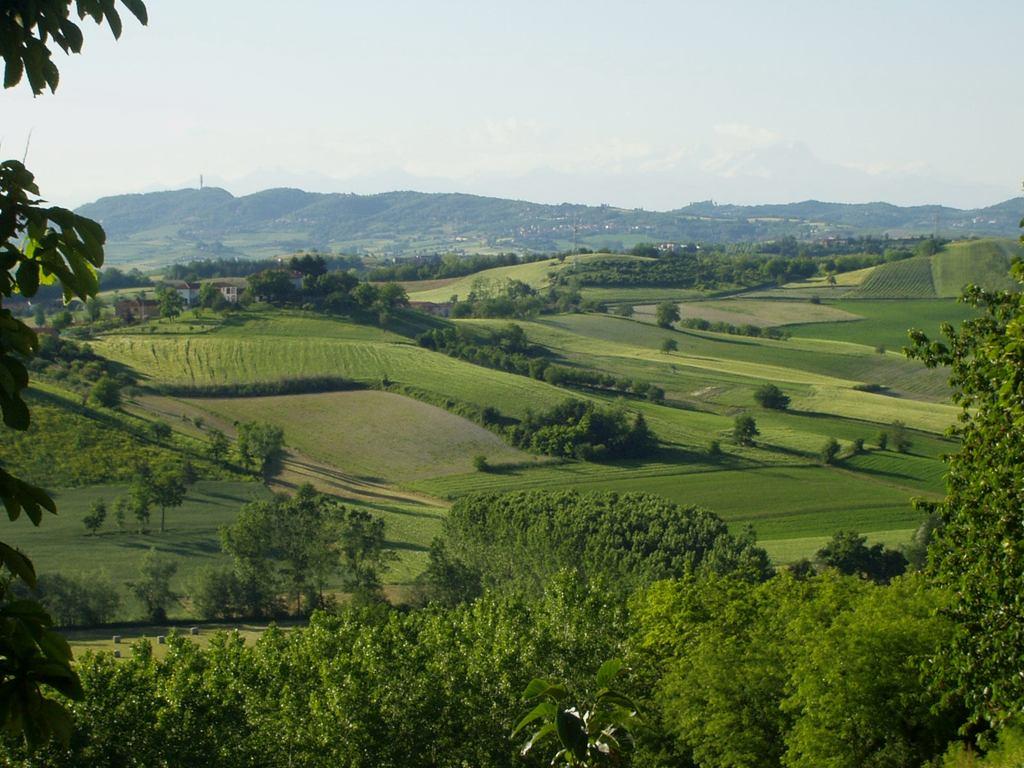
[{"x": 162, "y": 227}]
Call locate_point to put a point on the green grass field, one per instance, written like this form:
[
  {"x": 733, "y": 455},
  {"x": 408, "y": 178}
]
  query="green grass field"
[
  {"x": 536, "y": 274},
  {"x": 983, "y": 262},
  {"x": 269, "y": 347},
  {"x": 761, "y": 312},
  {"x": 886, "y": 322},
  {"x": 61, "y": 543},
  {"x": 403, "y": 452},
  {"x": 377, "y": 436}
]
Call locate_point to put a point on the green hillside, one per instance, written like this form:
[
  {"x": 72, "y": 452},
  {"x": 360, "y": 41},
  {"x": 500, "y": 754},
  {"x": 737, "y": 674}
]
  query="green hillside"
[
  {"x": 909, "y": 279},
  {"x": 161, "y": 227},
  {"x": 403, "y": 457},
  {"x": 982, "y": 262},
  {"x": 944, "y": 275}
]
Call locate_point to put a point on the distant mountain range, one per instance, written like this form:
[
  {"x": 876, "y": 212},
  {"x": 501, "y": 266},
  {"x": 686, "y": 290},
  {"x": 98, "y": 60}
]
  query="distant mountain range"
[{"x": 161, "y": 227}]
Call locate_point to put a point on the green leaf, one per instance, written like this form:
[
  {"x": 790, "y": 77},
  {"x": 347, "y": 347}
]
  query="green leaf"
[
  {"x": 18, "y": 564},
  {"x": 28, "y": 278},
  {"x": 608, "y": 671},
  {"x": 571, "y": 733},
  {"x": 13, "y": 70},
  {"x": 138, "y": 10},
  {"x": 613, "y": 697},
  {"x": 538, "y": 737},
  {"x": 544, "y": 709}
]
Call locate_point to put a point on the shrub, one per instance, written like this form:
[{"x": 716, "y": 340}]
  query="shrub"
[
  {"x": 882, "y": 440},
  {"x": 75, "y": 601},
  {"x": 744, "y": 430},
  {"x": 830, "y": 451},
  {"x": 770, "y": 396},
  {"x": 480, "y": 464},
  {"x": 715, "y": 448},
  {"x": 666, "y": 313},
  {"x": 669, "y": 345},
  {"x": 900, "y": 437},
  {"x": 105, "y": 393}
]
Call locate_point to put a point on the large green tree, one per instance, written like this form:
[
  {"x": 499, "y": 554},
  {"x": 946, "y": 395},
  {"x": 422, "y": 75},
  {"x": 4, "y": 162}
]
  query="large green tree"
[
  {"x": 39, "y": 244},
  {"x": 978, "y": 551}
]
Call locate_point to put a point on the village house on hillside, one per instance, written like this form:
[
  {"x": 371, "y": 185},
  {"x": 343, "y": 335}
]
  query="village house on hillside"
[
  {"x": 230, "y": 287},
  {"x": 137, "y": 310},
  {"x": 189, "y": 292}
]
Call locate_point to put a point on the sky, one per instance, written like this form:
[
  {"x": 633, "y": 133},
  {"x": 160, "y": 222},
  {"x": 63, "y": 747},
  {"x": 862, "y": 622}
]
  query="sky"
[{"x": 647, "y": 103}]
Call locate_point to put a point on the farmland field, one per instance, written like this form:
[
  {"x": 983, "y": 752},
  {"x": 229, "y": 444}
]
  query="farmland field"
[
  {"x": 402, "y": 458},
  {"x": 760, "y": 312},
  {"x": 983, "y": 262},
  {"x": 887, "y": 322},
  {"x": 378, "y": 435},
  {"x": 907, "y": 279},
  {"x": 536, "y": 274}
]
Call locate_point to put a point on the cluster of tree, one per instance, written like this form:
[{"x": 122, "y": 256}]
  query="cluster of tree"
[
  {"x": 508, "y": 349},
  {"x": 287, "y": 386},
  {"x": 114, "y": 279},
  {"x": 439, "y": 267},
  {"x": 747, "y": 329},
  {"x": 75, "y": 600},
  {"x": 707, "y": 269},
  {"x": 76, "y": 366},
  {"x": 521, "y": 540},
  {"x": 194, "y": 271},
  {"x": 339, "y": 292},
  {"x": 848, "y": 552},
  {"x": 724, "y": 669},
  {"x": 584, "y": 378},
  {"x": 861, "y": 246},
  {"x": 163, "y": 486},
  {"x": 581, "y": 429},
  {"x": 793, "y": 671},
  {"x": 286, "y": 553},
  {"x": 514, "y": 298},
  {"x": 770, "y": 396}
]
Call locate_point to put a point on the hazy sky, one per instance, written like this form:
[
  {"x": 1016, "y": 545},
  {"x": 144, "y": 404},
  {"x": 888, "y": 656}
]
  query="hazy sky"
[{"x": 644, "y": 103}]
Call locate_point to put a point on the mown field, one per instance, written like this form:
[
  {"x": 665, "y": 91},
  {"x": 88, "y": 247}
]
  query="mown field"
[
  {"x": 886, "y": 323},
  {"x": 377, "y": 436},
  {"x": 760, "y": 312}
]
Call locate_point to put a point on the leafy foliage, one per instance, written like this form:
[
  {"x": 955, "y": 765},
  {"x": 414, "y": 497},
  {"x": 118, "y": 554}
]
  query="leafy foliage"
[
  {"x": 294, "y": 546},
  {"x": 666, "y": 313},
  {"x": 38, "y": 245},
  {"x": 591, "y": 734},
  {"x": 770, "y": 396},
  {"x": 522, "y": 539},
  {"x": 976, "y": 552},
  {"x": 584, "y": 430},
  {"x": 744, "y": 430},
  {"x": 849, "y": 553},
  {"x": 812, "y": 672}
]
